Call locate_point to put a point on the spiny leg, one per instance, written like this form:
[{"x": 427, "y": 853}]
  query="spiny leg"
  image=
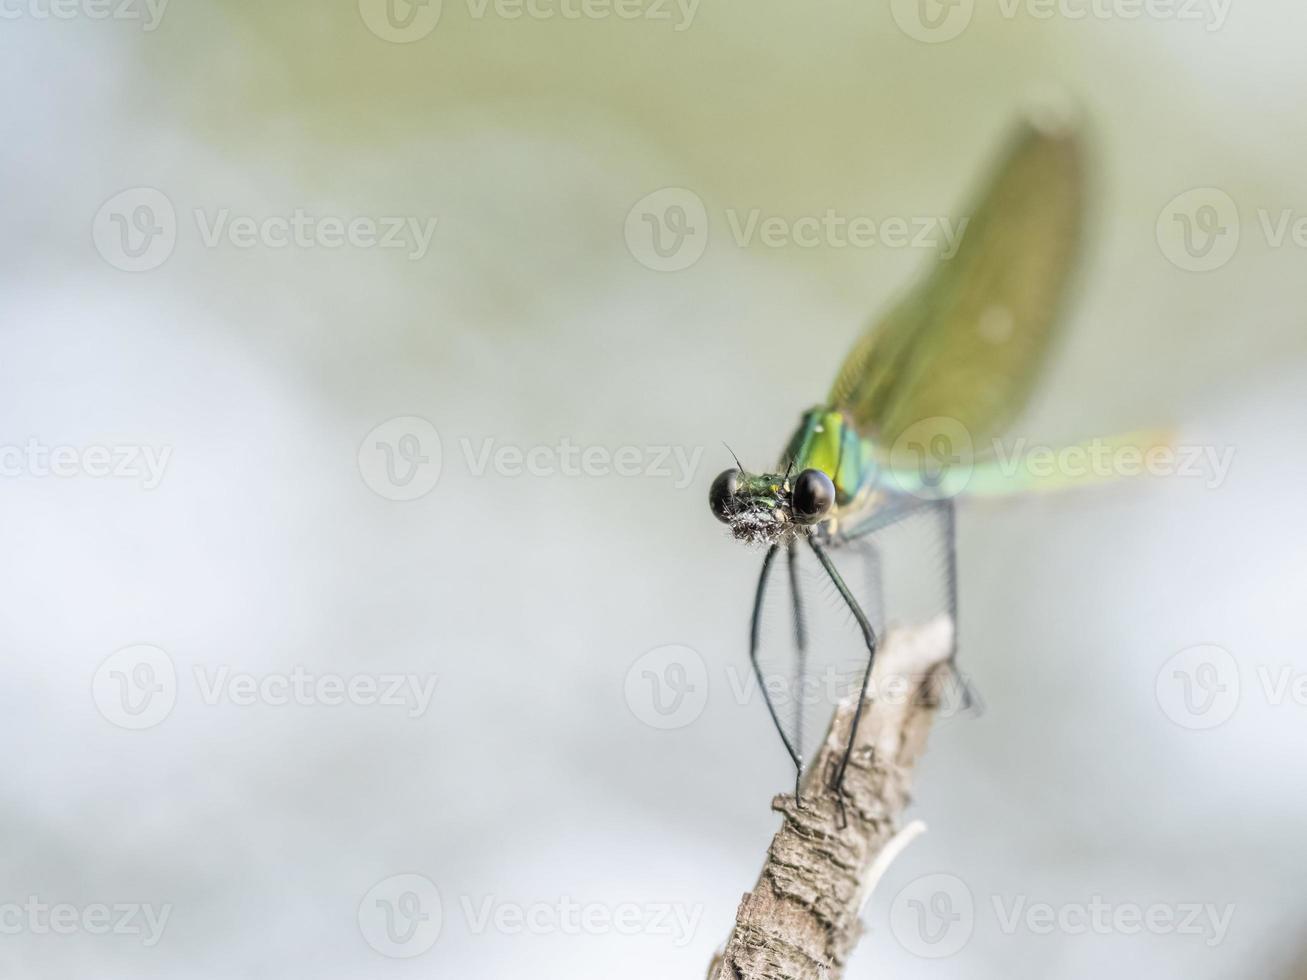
[
  {"x": 869, "y": 635},
  {"x": 800, "y": 666},
  {"x": 753, "y": 653},
  {"x": 875, "y": 583},
  {"x": 951, "y": 566},
  {"x": 944, "y": 512},
  {"x": 949, "y": 515}
]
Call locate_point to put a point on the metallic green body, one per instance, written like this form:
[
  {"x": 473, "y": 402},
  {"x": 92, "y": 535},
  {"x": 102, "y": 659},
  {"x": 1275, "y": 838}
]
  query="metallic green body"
[{"x": 826, "y": 440}]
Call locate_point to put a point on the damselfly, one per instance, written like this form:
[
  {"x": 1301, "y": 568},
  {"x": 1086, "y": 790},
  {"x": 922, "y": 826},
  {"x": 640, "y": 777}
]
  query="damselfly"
[{"x": 924, "y": 391}]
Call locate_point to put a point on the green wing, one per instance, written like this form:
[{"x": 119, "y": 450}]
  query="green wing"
[{"x": 968, "y": 341}]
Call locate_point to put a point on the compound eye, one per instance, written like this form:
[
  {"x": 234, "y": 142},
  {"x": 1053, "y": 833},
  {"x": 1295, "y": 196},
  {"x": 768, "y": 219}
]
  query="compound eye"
[
  {"x": 721, "y": 498},
  {"x": 813, "y": 496}
]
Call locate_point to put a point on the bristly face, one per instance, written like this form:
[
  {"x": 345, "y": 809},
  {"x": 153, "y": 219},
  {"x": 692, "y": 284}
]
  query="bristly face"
[{"x": 771, "y": 508}]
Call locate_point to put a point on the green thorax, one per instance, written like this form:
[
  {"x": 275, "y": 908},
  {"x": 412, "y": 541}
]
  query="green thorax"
[{"x": 826, "y": 440}]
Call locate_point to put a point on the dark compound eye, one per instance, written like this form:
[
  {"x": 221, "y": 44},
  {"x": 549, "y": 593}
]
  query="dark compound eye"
[
  {"x": 813, "y": 496},
  {"x": 721, "y": 498}
]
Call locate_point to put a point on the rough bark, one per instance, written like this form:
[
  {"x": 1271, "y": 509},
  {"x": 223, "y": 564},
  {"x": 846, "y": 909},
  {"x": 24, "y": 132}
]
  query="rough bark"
[{"x": 801, "y": 920}]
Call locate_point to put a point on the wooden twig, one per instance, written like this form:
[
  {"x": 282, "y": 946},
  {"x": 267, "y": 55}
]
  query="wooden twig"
[{"x": 801, "y": 920}]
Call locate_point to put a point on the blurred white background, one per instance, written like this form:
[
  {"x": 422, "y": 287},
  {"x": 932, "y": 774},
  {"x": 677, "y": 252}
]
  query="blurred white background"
[{"x": 268, "y": 544}]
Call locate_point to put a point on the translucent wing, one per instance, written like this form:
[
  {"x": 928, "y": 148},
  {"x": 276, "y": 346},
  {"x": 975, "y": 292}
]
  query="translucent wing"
[{"x": 967, "y": 343}]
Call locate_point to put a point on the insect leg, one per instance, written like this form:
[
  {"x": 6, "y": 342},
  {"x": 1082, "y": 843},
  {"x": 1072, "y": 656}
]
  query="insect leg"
[
  {"x": 753, "y": 652},
  {"x": 948, "y": 513},
  {"x": 869, "y": 635},
  {"x": 800, "y": 665},
  {"x": 875, "y": 583}
]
